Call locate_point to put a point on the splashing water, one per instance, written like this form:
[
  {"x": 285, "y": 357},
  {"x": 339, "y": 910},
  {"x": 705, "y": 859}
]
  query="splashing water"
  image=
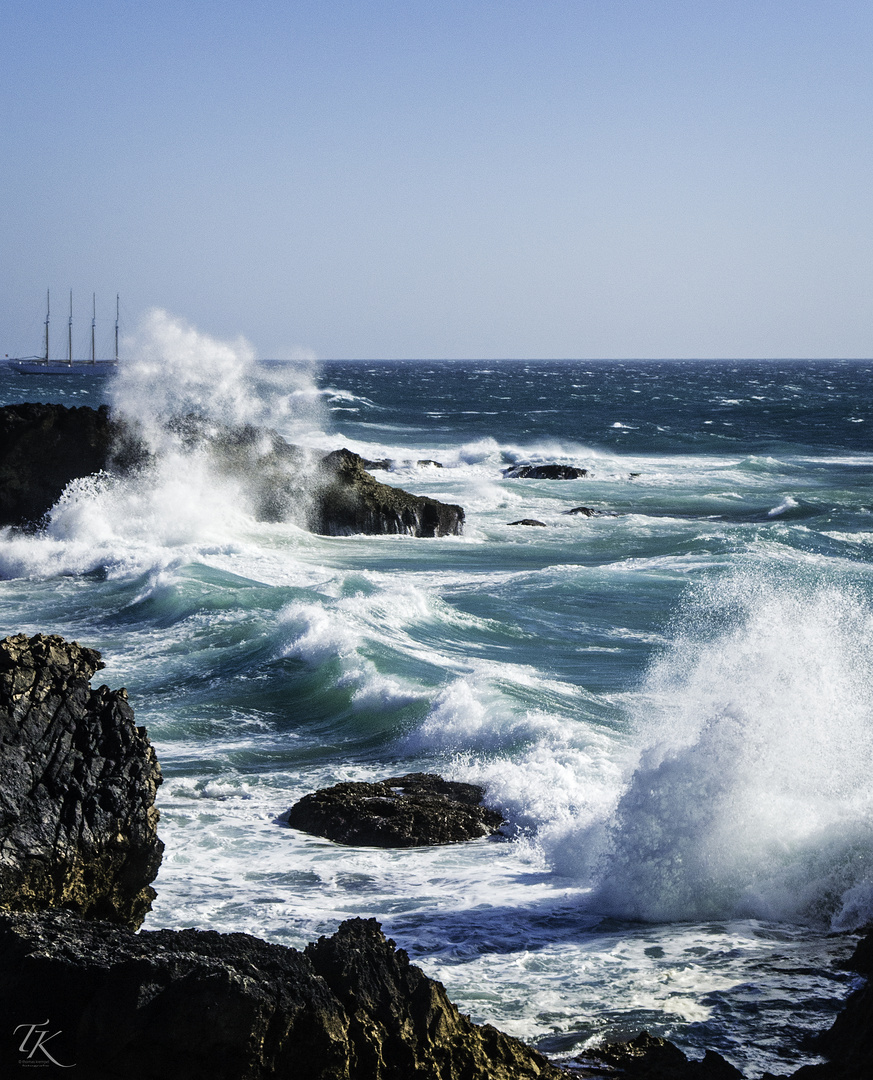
[
  {"x": 186, "y": 502},
  {"x": 753, "y": 794},
  {"x": 175, "y": 369}
]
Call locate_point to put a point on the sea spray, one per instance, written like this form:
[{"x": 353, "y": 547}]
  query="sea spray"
[
  {"x": 752, "y": 793},
  {"x": 173, "y": 370}
]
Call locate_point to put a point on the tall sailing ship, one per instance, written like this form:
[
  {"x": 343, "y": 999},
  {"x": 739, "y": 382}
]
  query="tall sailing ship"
[{"x": 43, "y": 365}]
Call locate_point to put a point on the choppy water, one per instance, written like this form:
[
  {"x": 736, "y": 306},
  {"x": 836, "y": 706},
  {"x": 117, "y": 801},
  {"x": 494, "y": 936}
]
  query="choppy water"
[{"x": 671, "y": 702}]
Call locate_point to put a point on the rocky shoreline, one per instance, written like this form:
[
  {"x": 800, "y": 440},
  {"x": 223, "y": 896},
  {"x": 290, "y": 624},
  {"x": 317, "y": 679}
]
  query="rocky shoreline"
[
  {"x": 78, "y": 852},
  {"x": 43, "y": 448}
]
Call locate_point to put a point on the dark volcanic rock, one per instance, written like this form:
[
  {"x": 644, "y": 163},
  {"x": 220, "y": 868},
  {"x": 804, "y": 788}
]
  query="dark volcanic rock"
[
  {"x": 195, "y": 1005},
  {"x": 544, "y": 472},
  {"x": 44, "y": 447},
  {"x": 528, "y": 521},
  {"x": 650, "y": 1058},
  {"x": 77, "y": 787},
  {"x": 403, "y": 811},
  {"x": 348, "y": 500},
  {"x": 585, "y": 511}
]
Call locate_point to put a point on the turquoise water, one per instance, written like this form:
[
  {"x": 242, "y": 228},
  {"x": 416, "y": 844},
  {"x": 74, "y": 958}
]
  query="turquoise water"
[{"x": 671, "y": 700}]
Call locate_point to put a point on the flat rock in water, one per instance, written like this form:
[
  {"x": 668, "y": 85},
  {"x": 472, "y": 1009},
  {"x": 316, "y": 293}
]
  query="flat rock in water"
[
  {"x": 404, "y": 811},
  {"x": 78, "y": 824},
  {"x": 528, "y": 521},
  {"x": 544, "y": 472}
]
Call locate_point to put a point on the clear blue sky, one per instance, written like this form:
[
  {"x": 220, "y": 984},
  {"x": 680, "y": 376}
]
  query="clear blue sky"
[{"x": 445, "y": 178}]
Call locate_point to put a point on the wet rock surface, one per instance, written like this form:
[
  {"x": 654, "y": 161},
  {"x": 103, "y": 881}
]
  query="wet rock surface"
[
  {"x": 198, "y": 1005},
  {"x": 404, "y": 811},
  {"x": 349, "y": 500},
  {"x": 649, "y": 1058},
  {"x": 544, "y": 472},
  {"x": 45, "y": 447},
  {"x": 77, "y": 787},
  {"x": 528, "y": 521}
]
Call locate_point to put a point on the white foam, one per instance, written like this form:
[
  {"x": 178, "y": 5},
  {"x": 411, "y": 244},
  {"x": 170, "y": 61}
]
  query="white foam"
[
  {"x": 788, "y": 503},
  {"x": 751, "y": 795}
]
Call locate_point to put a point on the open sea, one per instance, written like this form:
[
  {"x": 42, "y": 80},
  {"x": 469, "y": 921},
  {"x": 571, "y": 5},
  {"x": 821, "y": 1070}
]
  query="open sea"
[{"x": 671, "y": 700}]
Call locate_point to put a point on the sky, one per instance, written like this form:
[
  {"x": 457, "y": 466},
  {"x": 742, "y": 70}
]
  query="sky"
[{"x": 443, "y": 178}]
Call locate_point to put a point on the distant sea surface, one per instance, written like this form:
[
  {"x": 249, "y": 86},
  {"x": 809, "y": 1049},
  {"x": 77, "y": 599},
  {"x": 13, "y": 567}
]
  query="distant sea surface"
[{"x": 670, "y": 699}]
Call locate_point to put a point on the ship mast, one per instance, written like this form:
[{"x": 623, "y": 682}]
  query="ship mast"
[
  {"x": 93, "y": 322},
  {"x": 47, "y": 310},
  {"x": 116, "y": 328},
  {"x": 70, "y": 332}
]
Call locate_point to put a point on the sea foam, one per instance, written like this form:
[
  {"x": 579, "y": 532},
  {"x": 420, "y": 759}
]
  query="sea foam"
[{"x": 751, "y": 795}]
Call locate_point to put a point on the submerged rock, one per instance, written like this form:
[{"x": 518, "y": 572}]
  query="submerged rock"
[
  {"x": 544, "y": 472},
  {"x": 77, "y": 787},
  {"x": 198, "y": 1005},
  {"x": 528, "y": 521},
  {"x": 404, "y": 811}
]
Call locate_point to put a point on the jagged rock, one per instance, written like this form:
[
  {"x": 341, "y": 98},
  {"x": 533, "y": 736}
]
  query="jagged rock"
[
  {"x": 649, "y": 1058},
  {"x": 348, "y": 500},
  {"x": 848, "y": 1043},
  {"x": 528, "y": 521},
  {"x": 380, "y": 463},
  {"x": 198, "y": 1005},
  {"x": 544, "y": 472},
  {"x": 77, "y": 787},
  {"x": 403, "y": 811},
  {"x": 44, "y": 447},
  {"x": 585, "y": 511},
  {"x": 429, "y": 461}
]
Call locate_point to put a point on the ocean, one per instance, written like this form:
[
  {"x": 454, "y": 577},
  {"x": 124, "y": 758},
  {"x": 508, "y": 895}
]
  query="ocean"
[{"x": 671, "y": 700}]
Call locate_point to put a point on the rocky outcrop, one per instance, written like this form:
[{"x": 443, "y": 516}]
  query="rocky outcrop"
[
  {"x": 348, "y": 500},
  {"x": 544, "y": 472},
  {"x": 198, "y": 1005},
  {"x": 404, "y": 811},
  {"x": 528, "y": 521},
  {"x": 44, "y": 447},
  {"x": 77, "y": 787}
]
